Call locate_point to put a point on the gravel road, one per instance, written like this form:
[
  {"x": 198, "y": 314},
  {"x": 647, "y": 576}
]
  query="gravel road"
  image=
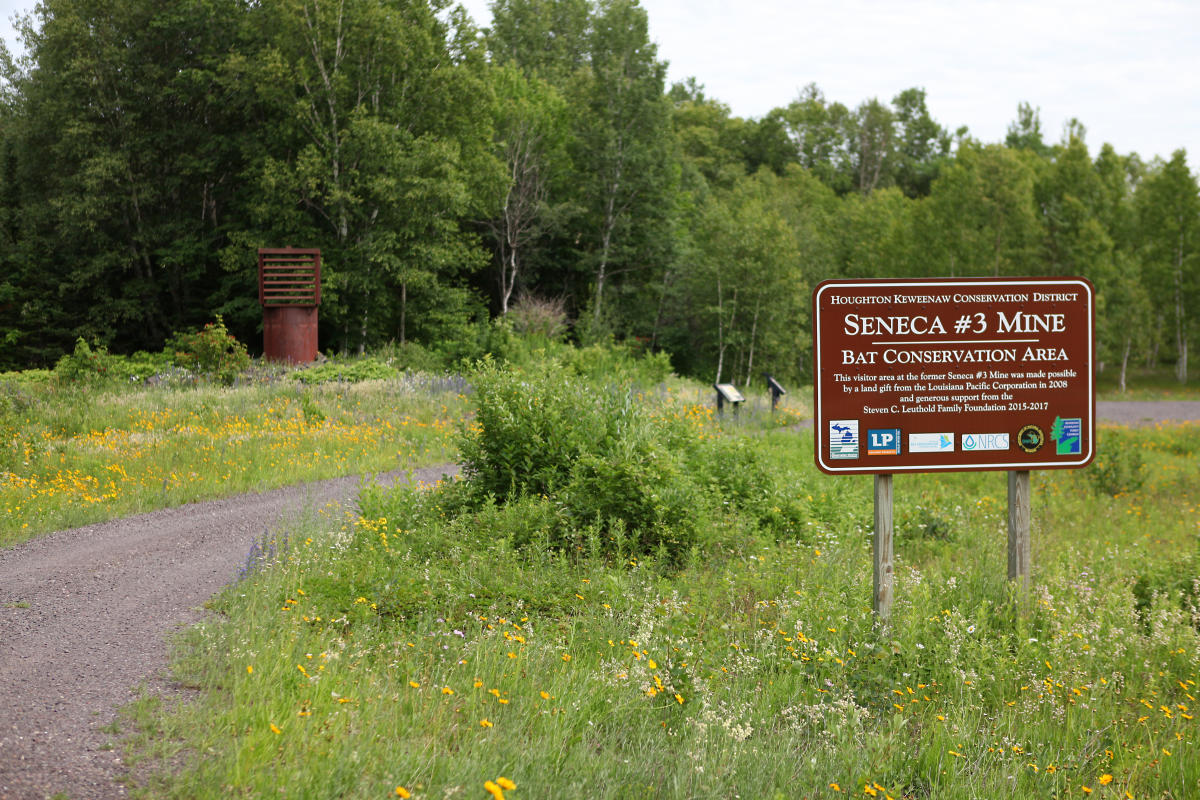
[
  {"x": 1138, "y": 413},
  {"x": 84, "y": 619},
  {"x": 84, "y": 616}
]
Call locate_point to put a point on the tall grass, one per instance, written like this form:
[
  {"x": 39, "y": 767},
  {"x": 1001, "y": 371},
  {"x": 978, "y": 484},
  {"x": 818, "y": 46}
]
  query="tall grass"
[
  {"x": 75, "y": 455},
  {"x": 432, "y": 641}
]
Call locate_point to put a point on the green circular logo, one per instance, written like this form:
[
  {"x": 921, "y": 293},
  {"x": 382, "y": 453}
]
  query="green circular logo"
[{"x": 1031, "y": 438}]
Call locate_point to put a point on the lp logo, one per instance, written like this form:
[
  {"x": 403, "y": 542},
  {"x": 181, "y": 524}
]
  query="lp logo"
[{"x": 883, "y": 442}]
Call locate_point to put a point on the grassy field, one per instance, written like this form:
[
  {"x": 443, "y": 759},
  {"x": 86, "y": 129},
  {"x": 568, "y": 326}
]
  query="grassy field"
[
  {"x": 1158, "y": 383},
  {"x": 72, "y": 456},
  {"x": 682, "y": 610}
]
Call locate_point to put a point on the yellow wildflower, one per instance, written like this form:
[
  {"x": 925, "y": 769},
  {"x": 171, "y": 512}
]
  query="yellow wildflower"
[{"x": 402, "y": 792}]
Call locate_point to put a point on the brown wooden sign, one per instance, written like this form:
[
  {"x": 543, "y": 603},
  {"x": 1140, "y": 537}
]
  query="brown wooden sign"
[{"x": 933, "y": 375}]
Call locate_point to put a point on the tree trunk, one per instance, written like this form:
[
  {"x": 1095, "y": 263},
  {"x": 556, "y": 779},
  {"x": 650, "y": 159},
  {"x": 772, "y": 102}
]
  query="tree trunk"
[
  {"x": 753, "y": 333},
  {"x": 662, "y": 302},
  {"x": 403, "y": 310},
  {"x": 1180, "y": 323},
  {"x": 602, "y": 270},
  {"x": 1125, "y": 362}
]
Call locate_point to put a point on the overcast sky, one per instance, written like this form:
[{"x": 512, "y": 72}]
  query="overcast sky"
[{"x": 1130, "y": 72}]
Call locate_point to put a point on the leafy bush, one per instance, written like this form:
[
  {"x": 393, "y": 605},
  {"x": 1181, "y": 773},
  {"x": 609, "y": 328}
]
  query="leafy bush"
[
  {"x": 532, "y": 316},
  {"x": 640, "y": 490},
  {"x": 644, "y": 484},
  {"x": 532, "y": 425},
  {"x": 86, "y": 366},
  {"x": 141, "y": 366},
  {"x": 212, "y": 350},
  {"x": 411, "y": 356},
  {"x": 15, "y": 402},
  {"x": 617, "y": 364},
  {"x": 1119, "y": 467},
  {"x": 365, "y": 369}
]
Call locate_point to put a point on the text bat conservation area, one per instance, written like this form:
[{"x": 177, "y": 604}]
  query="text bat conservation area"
[{"x": 933, "y": 375}]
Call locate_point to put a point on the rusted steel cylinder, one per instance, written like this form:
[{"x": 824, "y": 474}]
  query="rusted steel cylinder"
[{"x": 290, "y": 334}]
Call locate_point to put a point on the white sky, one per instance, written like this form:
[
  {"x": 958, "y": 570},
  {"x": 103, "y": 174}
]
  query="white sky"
[{"x": 1130, "y": 72}]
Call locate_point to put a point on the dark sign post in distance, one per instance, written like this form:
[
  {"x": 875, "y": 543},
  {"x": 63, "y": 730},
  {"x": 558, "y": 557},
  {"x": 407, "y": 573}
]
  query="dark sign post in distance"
[{"x": 931, "y": 375}]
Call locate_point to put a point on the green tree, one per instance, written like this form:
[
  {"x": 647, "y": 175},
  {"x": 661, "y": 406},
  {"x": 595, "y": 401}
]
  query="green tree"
[
  {"x": 819, "y": 131},
  {"x": 121, "y": 168},
  {"x": 1070, "y": 197},
  {"x": 710, "y": 141},
  {"x": 623, "y": 148},
  {"x": 745, "y": 297},
  {"x": 1169, "y": 215},
  {"x": 922, "y": 145},
  {"x": 381, "y": 148},
  {"x": 530, "y": 140},
  {"x": 1025, "y": 132},
  {"x": 871, "y": 145},
  {"x": 982, "y": 206},
  {"x": 545, "y": 38}
]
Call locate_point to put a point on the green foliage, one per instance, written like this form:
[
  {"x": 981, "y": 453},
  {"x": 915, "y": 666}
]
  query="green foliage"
[
  {"x": 353, "y": 371},
  {"x": 88, "y": 365},
  {"x": 212, "y": 351},
  {"x": 532, "y": 425},
  {"x": 453, "y": 169},
  {"x": 15, "y": 403},
  {"x": 617, "y": 365},
  {"x": 642, "y": 480},
  {"x": 1119, "y": 467}
]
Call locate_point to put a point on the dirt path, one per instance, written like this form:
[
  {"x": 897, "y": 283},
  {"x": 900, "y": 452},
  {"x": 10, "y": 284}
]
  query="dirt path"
[
  {"x": 1138, "y": 413},
  {"x": 84, "y": 617}
]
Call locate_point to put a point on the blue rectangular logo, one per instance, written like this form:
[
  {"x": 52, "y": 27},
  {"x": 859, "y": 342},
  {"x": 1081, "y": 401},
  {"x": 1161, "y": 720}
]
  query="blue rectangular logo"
[{"x": 883, "y": 442}]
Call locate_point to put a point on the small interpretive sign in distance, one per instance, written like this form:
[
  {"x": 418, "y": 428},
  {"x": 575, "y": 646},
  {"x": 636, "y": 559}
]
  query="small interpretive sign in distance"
[{"x": 966, "y": 373}]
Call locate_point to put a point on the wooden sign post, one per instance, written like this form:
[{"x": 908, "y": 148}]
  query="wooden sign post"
[
  {"x": 881, "y": 548},
  {"x": 1018, "y": 528},
  {"x": 939, "y": 375}
]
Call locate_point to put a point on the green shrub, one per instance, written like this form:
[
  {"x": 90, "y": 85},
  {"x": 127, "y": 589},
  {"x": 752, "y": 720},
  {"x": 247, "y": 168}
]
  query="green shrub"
[
  {"x": 212, "y": 351},
  {"x": 617, "y": 364},
  {"x": 533, "y": 424},
  {"x": 15, "y": 403},
  {"x": 641, "y": 490},
  {"x": 88, "y": 365},
  {"x": 411, "y": 356},
  {"x": 1119, "y": 467},
  {"x": 643, "y": 484},
  {"x": 365, "y": 369},
  {"x": 141, "y": 365}
]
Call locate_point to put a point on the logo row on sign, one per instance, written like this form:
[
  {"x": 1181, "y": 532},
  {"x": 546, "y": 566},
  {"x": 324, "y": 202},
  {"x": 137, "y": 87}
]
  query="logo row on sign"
[{"x": 844, "y": 440}]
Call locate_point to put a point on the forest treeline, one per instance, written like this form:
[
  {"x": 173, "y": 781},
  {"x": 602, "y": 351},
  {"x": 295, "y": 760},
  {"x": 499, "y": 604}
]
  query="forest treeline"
[{"x": 450, "y": 174}]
